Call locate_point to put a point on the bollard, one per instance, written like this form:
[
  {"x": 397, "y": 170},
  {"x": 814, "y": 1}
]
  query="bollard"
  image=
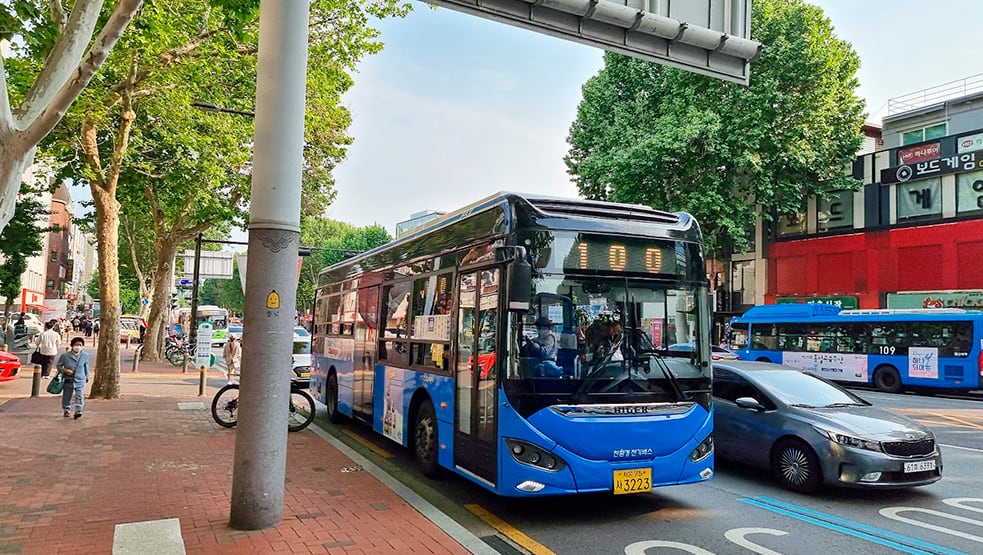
[
  {"x": 36, "y": 384},
  {"x": 201, "y": 385},
  {"x": 136, "y": 357},
  {"x": 4, "y": 347},
  {"x": 127, "y": 341}
]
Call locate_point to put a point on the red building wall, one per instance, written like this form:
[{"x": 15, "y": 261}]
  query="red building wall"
[{"x": 943, "y": 257}]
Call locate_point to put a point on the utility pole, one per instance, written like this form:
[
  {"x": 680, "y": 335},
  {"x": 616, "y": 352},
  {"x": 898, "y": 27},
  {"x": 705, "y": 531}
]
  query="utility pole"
[{"x": 260, "y": 463}]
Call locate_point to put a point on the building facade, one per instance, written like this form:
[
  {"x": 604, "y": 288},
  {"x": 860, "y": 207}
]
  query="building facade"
[{"x": 910, "y": 237}]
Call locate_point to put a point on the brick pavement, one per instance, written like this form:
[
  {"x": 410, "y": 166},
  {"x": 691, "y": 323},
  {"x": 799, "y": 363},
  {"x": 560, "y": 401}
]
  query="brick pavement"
[{"x": 65, "y": 484}]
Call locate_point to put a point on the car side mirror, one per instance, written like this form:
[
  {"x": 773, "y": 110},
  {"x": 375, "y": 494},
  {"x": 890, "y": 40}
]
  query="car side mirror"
[{"x": 749, "y": 403}]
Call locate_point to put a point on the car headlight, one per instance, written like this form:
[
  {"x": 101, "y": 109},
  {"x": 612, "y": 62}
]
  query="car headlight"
[{"x": 849, "y": 441}]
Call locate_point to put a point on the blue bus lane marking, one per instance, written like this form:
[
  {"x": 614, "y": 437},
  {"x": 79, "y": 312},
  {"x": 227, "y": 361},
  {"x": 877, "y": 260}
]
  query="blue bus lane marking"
[{"x": 872, "y": 534}]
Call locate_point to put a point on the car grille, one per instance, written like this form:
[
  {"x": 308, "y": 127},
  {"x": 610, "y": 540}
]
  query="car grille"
[{"x": 909, "y": 448}]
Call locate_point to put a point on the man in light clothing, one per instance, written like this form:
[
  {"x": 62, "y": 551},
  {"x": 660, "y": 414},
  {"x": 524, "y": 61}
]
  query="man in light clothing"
[{"x": 49, "y": 345}]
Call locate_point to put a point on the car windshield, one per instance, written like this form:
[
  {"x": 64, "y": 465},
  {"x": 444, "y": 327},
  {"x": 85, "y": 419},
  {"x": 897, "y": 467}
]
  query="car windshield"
[{"x": 798, "y": 388}]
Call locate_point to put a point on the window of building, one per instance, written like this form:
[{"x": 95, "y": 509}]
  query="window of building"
[
  {"x": 923, "y": 134},
  {"x": 969, "y": 193},
  {"x": 54, "y": 256},
  {"x": 835, "y": 212},
  {"x": 51, "y": 284},
  {"x": 791, "y": 224},
  {"x": 920, "y": 199}
]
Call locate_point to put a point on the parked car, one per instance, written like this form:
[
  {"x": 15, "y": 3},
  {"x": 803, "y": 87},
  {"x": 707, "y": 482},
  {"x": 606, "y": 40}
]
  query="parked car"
[
  {"x": 9, "y": 366},
  {"x": 809, "y": 431},
  {"x": 301, "y": 358},
  {"x": 716, "y": 352}
]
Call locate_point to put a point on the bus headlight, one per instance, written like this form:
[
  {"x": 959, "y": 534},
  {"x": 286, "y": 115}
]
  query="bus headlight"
[
  {"x": 702, "y": 450},
  {"x": 527, "y": 453}
]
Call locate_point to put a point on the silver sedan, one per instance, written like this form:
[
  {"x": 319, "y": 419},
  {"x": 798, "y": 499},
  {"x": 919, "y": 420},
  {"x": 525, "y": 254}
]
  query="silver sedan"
[{"x": 809, "y": 431}]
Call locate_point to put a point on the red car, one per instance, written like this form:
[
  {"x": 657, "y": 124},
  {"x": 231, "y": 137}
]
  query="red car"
[{"x": 9, "y": 366}]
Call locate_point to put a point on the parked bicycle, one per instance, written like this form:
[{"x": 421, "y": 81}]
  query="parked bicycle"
[{"x": 225, "y": 406}]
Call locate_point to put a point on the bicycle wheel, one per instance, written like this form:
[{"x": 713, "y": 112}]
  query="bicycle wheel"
[
  {"x": 225, "y": 406},
  {"x": 302, "y": 410}
]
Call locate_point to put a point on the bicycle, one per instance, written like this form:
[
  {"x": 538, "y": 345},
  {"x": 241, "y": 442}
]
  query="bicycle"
[{"x": 225, "y": 406}]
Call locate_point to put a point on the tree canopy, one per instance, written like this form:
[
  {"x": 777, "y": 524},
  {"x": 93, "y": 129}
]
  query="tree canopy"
[
  {"x": 674, "y": 140},
  {"x": 21, "y": 239}
]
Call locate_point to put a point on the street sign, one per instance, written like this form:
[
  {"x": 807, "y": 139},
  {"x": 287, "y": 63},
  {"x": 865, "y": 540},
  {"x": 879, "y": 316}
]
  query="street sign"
[
  {"x": 145, "y": 302},
  {"x": 184, "y": 283}
]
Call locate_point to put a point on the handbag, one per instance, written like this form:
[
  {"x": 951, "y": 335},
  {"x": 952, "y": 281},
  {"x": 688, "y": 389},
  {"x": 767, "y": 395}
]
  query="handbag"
[
  {"x": 56, "y": 384},
  {"x": 36, "y": 356}
]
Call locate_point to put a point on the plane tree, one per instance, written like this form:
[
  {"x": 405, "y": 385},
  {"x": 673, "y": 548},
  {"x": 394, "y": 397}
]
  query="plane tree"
[
  {"x": 135, "y": 140},
  {"x": 674, "y": 140}
]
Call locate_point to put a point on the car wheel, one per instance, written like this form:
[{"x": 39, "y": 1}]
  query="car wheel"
[
  {"x": 796, "y": 466},
  {"x": 887, "y": 379}
]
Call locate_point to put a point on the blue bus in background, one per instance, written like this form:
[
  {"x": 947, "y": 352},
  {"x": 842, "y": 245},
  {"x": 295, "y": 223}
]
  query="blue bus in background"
[
  {"x": 519, "y": 342},
  {"x": 891, "y": 349}
]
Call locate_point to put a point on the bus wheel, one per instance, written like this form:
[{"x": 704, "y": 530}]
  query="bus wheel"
[
  {"x": 425, "y": 440},
  {"x": 887, "y": 379},
  {"x": 796, "y": 466},
  {"x": 764, "y": 359},
  {"x": 331, "y": 397}
]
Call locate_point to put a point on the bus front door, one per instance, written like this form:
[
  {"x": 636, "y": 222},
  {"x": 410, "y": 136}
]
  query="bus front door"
[{"x": 475, "y": 421}]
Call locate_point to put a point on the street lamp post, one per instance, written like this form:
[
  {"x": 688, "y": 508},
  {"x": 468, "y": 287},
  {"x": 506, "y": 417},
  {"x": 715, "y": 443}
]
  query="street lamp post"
[{"x": 260, "y": 461}]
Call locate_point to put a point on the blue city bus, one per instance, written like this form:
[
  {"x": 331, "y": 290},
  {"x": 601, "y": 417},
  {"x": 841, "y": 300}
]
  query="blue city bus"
[
  {"x": 518, "y": 342},
  {"x": 891, "y": 349}
]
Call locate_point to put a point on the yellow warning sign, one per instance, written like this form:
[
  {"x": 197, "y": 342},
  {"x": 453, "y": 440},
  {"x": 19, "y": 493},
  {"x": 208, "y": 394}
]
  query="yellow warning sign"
[{"x": 273, "y": 299}]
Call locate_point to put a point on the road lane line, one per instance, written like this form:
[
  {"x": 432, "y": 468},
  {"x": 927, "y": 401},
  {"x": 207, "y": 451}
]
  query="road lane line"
[
  {"x": 508, "y": 530},
  {"x": 947, "y": 446},
  {"x": 872, "y": 534},
  {"x": 966, "y": 423},
  {"x": 368, "y": 444}
]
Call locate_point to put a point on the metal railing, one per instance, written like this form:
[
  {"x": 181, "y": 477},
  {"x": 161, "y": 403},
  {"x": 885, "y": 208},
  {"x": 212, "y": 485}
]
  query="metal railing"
[{"x": 935, "y": 95}]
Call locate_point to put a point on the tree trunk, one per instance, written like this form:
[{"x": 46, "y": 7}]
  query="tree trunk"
[
  {"x": 13, "y": 162},
  {"x": 106, "y": 383},
  {"x": 160, "y": 306}
]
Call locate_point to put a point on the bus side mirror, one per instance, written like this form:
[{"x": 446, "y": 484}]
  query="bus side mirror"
[{"x": 520, "y": 282}]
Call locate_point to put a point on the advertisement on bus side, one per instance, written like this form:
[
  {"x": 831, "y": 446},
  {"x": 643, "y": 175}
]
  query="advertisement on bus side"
[{"x": 832, "y": 366}]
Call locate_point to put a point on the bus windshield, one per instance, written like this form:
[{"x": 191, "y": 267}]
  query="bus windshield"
[{"x": 592, "y": 340}]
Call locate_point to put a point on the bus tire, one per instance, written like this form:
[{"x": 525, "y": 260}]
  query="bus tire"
[
  {"x": 796, "y": 466},
  {"x": 331, "y": 400},
  {"x": 426, "y": 442},
  {"x": 887, "y": 379},
  {"x": 763, "y": 359}
]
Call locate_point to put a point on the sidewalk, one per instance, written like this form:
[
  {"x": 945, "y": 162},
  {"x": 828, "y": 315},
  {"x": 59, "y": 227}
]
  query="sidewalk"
[{"x": 67, "y": 486}]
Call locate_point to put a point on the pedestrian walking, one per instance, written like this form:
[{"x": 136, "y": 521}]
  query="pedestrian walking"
[
  {"x": 95, "y": 329},
  {"x": 49, "y": 345},
  {"x": 74, "y": 364},
  {"x": 232, "y": 353}
]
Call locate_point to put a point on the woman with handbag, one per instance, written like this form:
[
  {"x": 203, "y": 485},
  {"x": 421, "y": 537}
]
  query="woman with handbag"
[
  {"x": 74, "y": 365},
  {"x": 49, "y": 345}
]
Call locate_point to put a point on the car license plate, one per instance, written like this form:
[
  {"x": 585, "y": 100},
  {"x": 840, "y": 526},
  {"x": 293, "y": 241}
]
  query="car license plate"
[
  {"x": 920, "y": 466},
  {"x": 305, "y": 374},
  {"x": 632, "y": 480}
]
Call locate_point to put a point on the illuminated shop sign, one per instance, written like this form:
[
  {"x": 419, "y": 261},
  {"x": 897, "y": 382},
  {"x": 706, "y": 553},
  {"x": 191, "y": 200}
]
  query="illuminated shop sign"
[
  {"x": 969, "y": 161},
  {"x": 920, "y": 153},
  {"x": 969, "y": 143}
]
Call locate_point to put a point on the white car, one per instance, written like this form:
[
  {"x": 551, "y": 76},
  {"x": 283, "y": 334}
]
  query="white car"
[{"x": 301, "y": 358}]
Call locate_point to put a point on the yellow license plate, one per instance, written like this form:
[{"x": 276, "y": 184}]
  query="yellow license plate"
[
  {"x": 305, "y": 374},
  {"x": 632, "y": 480}
]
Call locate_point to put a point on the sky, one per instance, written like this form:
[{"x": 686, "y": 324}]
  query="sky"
[{"x": 457, "y": 108}]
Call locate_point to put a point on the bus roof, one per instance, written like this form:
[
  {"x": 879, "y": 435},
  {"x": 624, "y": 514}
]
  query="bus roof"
[
  {"x": 499, "y": 214},
  {"x": 827, "y": 312}
]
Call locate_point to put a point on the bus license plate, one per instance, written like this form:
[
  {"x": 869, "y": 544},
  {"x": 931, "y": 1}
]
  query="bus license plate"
[
  {"x": 633, "y": 480},
  {"x": 920, "y": 466}
]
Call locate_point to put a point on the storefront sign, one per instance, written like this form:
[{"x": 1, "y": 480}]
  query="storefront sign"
[
  {"x": 842, "y": 302},
  {"x": 920, "y": 153},
  {"x": 969, "y": 143},
  {"x": 959, "y": 163},
  {"x": 971, "y": 300}
]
